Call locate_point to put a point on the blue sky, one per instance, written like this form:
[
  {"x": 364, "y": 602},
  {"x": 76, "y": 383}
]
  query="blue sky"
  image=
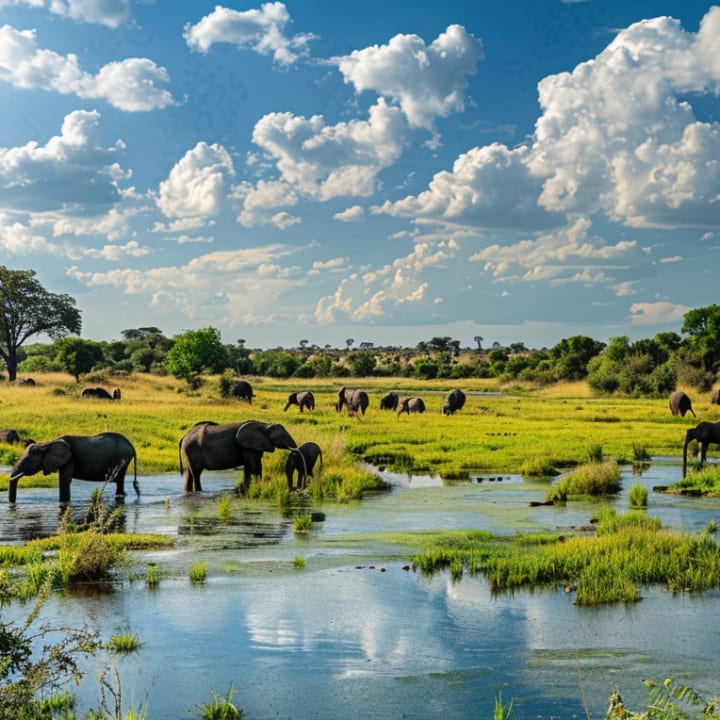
[{"x": 383, "y": 171}]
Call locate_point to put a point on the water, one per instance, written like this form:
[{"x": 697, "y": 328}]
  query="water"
[{"x": 356, "y": 633}]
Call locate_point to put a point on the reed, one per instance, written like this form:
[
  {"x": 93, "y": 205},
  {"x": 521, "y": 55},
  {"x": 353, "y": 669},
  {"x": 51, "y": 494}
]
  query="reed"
[
  {"x": 594, "y": 478},
  {"x": 198, "y": 573},
  {"x": 124, "y": 643}
]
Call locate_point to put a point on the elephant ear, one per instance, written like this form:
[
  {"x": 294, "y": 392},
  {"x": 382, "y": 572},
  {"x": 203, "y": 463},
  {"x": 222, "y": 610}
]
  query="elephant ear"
[
  {"x": 56, "y": 454},
  {"x": 255, "y": 435}
]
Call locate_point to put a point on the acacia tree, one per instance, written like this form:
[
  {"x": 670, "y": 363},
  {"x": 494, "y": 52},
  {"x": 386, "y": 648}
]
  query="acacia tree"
[{"x": 28, "y": 309}]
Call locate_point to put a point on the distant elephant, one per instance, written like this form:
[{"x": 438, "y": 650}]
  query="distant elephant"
[
  {"x": 389, "y": 401},
  {"x": 302, "y": 462},
  {"x": 413, "y": 404},
  {"x": 715, "y": 397},
  {"x": 210, "y": 446},
  {"x": 97, "y": 458},
  {"x": 242, "y": 389},
  {"x": 356, "y": 401},
  {"x": 29, "y": 382},
  {"x": 10, "y": 436},
  {"x": 705, "y": 433},
  {"x": 100, "y": 393},
  {"x": 303, "y": 399},
  {"x": 453, "y": 402},
  {"x": 680, "y": 404}
]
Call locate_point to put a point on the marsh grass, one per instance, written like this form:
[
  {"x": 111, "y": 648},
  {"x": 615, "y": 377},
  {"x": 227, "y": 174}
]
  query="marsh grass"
[
  {"x": 702, "y": 482},
  {"x": 594, "y": 478},
  {"x": 638, "y": 496},
  {"x": 629, "y": 552},
  {"x": 198, "y": 573},
  {"x": 124, "y": 643},
  {"x": 302, "y": 524}
]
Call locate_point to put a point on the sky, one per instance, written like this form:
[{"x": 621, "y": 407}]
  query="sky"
[{"x": 382, "y": 172}]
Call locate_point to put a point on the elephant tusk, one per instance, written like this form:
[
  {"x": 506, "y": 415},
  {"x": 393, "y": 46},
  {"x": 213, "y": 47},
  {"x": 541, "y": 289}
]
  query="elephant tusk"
[{"x": 14, "y": 478}]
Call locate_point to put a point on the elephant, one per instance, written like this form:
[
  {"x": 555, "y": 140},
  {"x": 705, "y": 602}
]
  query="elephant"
[
  {"x": 705, "y": 433},
  {"x": 100, "y": 393},
  {"x": 413, "y": 404},
  {"x": 356, "y": 401},
  {"x": 680, "y": 404},
  {"x": 302, "y": 462},
  {"x": 389, "y": 401},
  {"x": 208, "y": 445},
  {"x": 28, "y": 382},
  {"x": 303, "y": 399},
  {"x": 10, "y": 436},
  {"x": 98, "y": 458},
  {"x": 243, "y": 390},
  {"x": 453, "y": 402}
]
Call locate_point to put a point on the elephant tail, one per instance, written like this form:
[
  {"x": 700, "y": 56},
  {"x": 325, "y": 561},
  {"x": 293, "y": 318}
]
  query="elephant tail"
[{"x": 136, "y": 484}]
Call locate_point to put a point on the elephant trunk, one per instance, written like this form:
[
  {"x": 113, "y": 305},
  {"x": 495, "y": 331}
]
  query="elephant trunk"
[
  {"x": 302, "y": 461},
  {"x": 685, "y": 448},
  {"x": 12, "y": 487}
]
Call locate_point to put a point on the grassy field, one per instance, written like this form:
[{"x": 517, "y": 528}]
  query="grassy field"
[{"x": 500, "y": 429}]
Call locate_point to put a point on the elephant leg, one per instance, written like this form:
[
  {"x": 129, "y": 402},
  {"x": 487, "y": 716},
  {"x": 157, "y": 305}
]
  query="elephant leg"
[
  {"x": 12, "y": 491},
  {"x": 120, "y": 483},
  {"x": 703, "y": 453},
  {"x": 64, "y": 485},
  {"x": 191, "y": 480}
]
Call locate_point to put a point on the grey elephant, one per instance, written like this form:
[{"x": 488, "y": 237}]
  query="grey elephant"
[
  {"x": 10, "y": 436},
  {"x": 705, "y": 433},
  {"x": 208, "y": 445},
  {"x": 413, "y": 404},
  {"x": 100, "y": 393},
  {"x": 302, "y": 463},
  {"x": 243, "y": 390},
  {"x": 389, "y": 401},
  {"x": 680, "y": 404},
  {"x": 357, "y": 401},
  {"x": 97, "y": 458},
  {"x": 454, "y": 401},
  {"x": 303, "y": 399}
]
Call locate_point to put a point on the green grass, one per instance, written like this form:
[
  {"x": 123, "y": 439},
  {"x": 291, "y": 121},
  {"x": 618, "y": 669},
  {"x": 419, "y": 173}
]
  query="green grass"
[
  {"x": 491, "y": 434},
  {"x": 124, "y": 643},
  {"x": 594, "y": 478},
  {"x": 629, "y": 552},
  {"x": 198, "y": 573}
]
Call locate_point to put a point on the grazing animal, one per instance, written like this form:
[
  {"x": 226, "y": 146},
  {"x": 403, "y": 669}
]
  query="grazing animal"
[
  {"x": 356, "y": 401},
  {"x": 453, "y": 402},
  {"x": 705, "y": 433},
  {"x": 680, "y": 404},
  {"x": 100, "y": 393},
  {"x": 28, "y": 382},
  {"x": 414, "y": 405},
  {"x": 389, "y": 401},
  {"x": 10, "y": 436},
  {"x": 303, "y": 399}
]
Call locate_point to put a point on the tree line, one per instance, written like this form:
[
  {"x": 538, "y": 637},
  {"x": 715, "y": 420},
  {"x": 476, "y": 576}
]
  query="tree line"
[{"x": 647, "y": 367}]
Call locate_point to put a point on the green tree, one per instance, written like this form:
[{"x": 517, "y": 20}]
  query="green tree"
[
  {"x": 195, "y": 352},
  {"x": 77, "y": 356},
  {"x": 28, "y": 309},
  {"x": 703, "y": 327},
  {"x": 362, "y": 362},
  {"x": 572, "y": 355}
]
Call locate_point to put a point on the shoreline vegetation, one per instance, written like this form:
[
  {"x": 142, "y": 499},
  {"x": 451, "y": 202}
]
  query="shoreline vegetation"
[{"x": 538, "y": 432}]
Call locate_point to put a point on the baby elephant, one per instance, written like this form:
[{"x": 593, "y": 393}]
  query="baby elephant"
[
  {"x": 414, "y": 404},
  {"x": 100, "y": 393},
  {"x": 302, "y": 460}
]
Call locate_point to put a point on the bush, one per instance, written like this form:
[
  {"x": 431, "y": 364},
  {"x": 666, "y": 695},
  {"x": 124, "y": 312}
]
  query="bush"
[
  {"x": 638, "y": 496},
  {"x": 591, "y": 479}
]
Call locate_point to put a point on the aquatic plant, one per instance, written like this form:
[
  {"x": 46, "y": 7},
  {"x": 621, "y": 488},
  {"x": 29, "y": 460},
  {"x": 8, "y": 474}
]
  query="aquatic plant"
[
  {"x": 591, "y": 479},
  {"x": 302, "y": 524},
  {"x": 123, "y": 643},
  {"x": 152, "y": 576},
  {"x": 198, "y": 573},
  {"x": 299, "y": 562},
  {"x": 224, "y": 507},
  {"x": 638, "y": 496},
  {"x": 221, "y": 708}
]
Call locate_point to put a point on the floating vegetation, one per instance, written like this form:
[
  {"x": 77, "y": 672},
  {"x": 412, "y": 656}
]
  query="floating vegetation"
[{"x": 124, "y": 643}]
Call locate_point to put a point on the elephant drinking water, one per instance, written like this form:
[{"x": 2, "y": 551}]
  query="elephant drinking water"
[
  {"x": 98, "y": 458},
  {"x": 705, "y": 433},
  {"x": 208, "y": 445}
]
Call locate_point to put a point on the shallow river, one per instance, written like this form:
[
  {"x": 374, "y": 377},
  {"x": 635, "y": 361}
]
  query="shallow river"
[{"x": 355, "y": 633}]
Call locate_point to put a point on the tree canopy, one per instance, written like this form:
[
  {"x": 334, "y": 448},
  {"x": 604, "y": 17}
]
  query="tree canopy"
[
  {"x": 197, "y": 351},
  {"x": 28, "y": 309}
]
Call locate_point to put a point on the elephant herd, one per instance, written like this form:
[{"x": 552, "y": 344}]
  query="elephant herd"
[{"x": 207, "y": 445}]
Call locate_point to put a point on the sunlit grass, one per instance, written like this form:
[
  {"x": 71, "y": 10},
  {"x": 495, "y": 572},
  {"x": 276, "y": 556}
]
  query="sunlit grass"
[
  {"x": 629, "y": 552},
  {"x": 492, "y": 433}
]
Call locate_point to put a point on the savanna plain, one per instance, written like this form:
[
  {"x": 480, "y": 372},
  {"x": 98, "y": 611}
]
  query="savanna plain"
[{"x": 541, "y": 435}]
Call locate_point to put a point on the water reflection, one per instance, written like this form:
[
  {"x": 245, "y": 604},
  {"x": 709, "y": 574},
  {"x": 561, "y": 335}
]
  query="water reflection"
[{"x": 354, "y": 633}]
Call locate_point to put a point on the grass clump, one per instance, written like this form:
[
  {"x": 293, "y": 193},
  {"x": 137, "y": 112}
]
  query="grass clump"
[
  {"x": 702, "y": 482},
  {"x": 124, "y": 643},
  {"x": 152, "y": 576},
  {"x": 302, "y": 524},
  {"x": 638, "y": 496},
  {"x": 221, "y": 708},
  {"x": 592, "y": 479},
  {"x": 198, "y": 573},
  {"x": 629, "y": 552},
  {"x": 299, "y": 562}
]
